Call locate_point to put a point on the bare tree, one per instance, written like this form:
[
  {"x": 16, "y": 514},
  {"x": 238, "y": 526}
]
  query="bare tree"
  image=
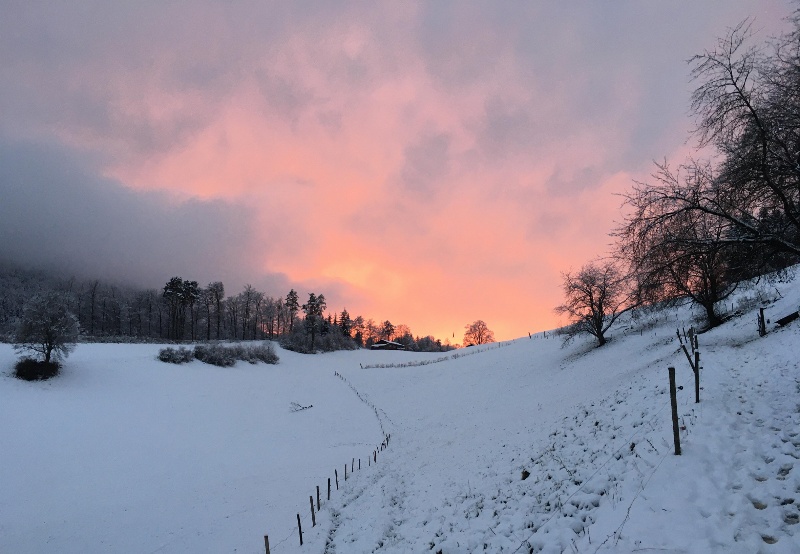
[
  {"x": 595, "y": 298},
  {"x": 47, "y": 328},
  {"x": 477, "y": 332},
  {"x": 677, "y": 253},
  {"x": 258, "y": 316},
  {"x": 216, "y": 291},
  {"x": 748, "y": 106}
]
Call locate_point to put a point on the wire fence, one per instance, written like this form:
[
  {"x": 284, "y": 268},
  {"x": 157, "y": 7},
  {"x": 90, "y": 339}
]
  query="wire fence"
[
  {"x": 454, "y": 356},
  {"x": 333, "y": 483}
]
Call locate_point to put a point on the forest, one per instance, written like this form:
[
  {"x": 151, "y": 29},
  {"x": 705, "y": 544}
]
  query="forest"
[{"x": 184, "y": 311}]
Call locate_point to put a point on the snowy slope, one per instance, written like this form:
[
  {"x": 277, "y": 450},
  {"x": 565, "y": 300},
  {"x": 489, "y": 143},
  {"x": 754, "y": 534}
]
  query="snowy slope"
[{"x": 126, "y": 454}]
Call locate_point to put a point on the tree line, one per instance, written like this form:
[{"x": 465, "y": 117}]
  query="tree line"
[
  {"x": 185, "y": 311},
  {"x": 697, "y": 229}
]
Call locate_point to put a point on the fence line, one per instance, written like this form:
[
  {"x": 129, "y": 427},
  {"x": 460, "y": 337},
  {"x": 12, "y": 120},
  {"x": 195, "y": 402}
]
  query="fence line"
[
  {"x": 373, "y": 460},
  {"x": 454, "y": 356}
]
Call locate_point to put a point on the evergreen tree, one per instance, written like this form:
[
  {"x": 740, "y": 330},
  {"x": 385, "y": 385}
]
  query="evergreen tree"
[
  {"x": 292, "y": 306},
  {"x": 345, "y": 323},
  {"x": 314, "y": 310}
]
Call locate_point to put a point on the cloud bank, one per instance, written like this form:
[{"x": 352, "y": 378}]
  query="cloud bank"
[{"x": 430, "y": 163}]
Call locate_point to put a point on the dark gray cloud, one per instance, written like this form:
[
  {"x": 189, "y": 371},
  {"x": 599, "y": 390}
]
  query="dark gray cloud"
[{"x": 55, "y": 213}]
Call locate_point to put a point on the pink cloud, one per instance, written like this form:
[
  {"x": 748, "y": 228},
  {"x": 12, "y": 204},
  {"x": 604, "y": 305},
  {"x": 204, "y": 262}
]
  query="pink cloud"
[{"x": 429, "y": 164}]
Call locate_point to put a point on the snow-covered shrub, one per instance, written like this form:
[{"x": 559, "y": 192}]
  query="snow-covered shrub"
[
  {"x": 179, "y": 355},
  {"x": 220, "y": 355},
  {"x": 261, "y": 353},
  {"x": 296, "y": 341},
  {"x": 226, "y": 356},
  {"x": 215, "y": 354},
  {"x": 331, "y": 342}
]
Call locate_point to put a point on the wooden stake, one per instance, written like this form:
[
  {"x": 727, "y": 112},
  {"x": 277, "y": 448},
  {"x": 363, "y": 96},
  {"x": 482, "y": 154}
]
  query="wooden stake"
[
  {"x": 300, "y": 529},
  {"x": 266, "y": 543},
  {"x": 329, "y": 488},
  {"x": 313, "y": 517},
  {"x": 359, "y": 464},
  {"x": 336, "y": 472},
  {"x": 318, "y": 498},
  {"x": 696, "y": 376},
  {"x": 353, "y": 465},
  {"x": 345, "y": 472},
  {"x": 673, "y": 396}
]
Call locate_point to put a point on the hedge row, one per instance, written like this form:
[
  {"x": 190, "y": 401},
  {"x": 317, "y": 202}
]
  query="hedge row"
[{"x": 220, "y": 355}]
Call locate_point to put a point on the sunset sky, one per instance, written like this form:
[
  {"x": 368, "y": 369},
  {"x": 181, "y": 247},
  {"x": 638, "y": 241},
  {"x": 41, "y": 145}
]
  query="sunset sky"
[{"x": 429, "y": 163}]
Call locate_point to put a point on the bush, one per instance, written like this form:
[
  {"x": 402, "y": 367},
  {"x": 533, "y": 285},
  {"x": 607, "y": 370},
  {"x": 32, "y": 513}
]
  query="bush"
[
  {"x": 330, "y": 342},
  {"x": 215, "y": 354},
  {"x": 296, "y": 341},
  {"x": 176, "y": 355},
  {"x": 35, "y": 370},
  {"x": 220, "y": 355},
  {"x": 260, "y": 353}
]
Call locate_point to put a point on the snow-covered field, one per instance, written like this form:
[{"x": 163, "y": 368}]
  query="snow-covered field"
[{"x": 123, "y": 453}]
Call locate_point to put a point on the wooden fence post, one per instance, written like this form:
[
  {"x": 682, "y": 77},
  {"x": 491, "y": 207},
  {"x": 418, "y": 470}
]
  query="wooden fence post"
[
  {"x": 300, "y": 529},
  {"x": 313, "y": 517},
  {"x": 345, "y": 472},
  {"x": 329, "y": 488},
  {"x": 266, "y": 543},
  {"x": 673, "y": 396},
  {"x": 359, "y": 464},
  {"x": 318, "y": 498},
  {"x": 696, "y": 376},
  {"x": 336, "y": 472},
  {"x": 353, "y": 465}
]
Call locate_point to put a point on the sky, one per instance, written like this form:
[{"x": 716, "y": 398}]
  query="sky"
[{"x": 429, "y": 163}]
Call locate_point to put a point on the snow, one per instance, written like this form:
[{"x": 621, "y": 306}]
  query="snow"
[{"x": 123, "y": 453}]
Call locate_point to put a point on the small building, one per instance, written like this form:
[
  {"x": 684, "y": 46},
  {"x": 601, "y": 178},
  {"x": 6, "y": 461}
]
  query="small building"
[{"x": 384, "y": 344}]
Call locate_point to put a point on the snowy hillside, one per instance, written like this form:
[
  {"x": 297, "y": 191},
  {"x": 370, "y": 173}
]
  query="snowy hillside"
[{"x": 123, "y": 453}]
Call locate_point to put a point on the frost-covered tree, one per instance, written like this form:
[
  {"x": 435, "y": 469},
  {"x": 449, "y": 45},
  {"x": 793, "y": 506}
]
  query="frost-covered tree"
[{"x": 47, "y": 328}]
